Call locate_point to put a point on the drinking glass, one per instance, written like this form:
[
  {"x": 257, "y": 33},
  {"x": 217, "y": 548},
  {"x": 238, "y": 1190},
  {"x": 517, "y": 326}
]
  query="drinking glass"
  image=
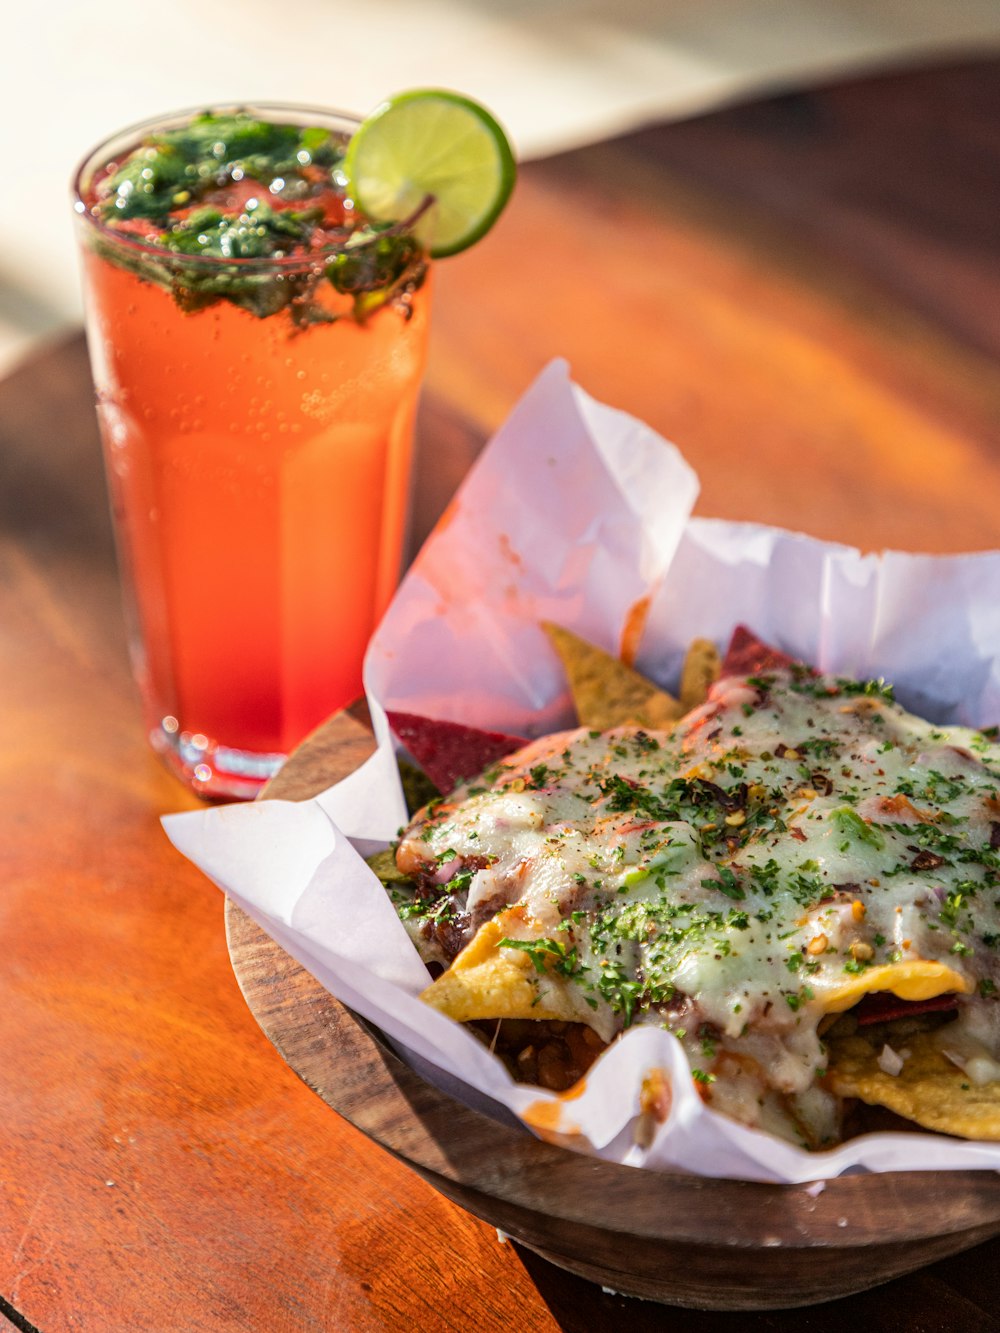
[{"x": 257, "y": 422}]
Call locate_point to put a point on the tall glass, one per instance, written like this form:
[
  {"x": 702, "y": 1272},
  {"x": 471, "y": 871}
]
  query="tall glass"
[{"x": 257, "y": 419}]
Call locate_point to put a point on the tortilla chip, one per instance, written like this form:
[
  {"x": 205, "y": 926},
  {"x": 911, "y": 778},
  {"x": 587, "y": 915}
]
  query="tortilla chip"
[
  {"x": 417, "y": 787},
  {"x": 747, "y": 655},
  {"x": 911, "y": 979},
  {"x": 606, "y": 692},
  {"x": 448, "y": 752},
  {"x": 884, "y": 1007},
  {"x": 929, "y": 1089},
  {"x": 701, "y": 669},
  {"x": 384, "y": 865},
  {"x": 486, "y": 981}
]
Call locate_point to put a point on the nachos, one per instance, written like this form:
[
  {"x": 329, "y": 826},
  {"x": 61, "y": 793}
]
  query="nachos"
[{"x": 797, "y": 878}]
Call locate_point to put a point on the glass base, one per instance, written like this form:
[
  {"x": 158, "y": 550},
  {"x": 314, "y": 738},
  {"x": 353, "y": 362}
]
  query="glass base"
[{"x": 211, "y": 770}]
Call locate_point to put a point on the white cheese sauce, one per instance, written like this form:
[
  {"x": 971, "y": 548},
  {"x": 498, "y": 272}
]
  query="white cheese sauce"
[{"x": 792, "y": 844}]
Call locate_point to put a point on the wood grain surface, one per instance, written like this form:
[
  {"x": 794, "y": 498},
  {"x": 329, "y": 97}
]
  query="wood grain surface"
[{"x": 803, "y": 295}]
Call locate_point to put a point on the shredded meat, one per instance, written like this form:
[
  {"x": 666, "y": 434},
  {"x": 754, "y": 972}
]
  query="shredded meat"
[
  {"x": 550, "y": 1054},
  {"x": 450, "y": 935}
]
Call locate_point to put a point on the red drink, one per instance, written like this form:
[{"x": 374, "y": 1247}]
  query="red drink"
[{"x": 257, "y": 415}]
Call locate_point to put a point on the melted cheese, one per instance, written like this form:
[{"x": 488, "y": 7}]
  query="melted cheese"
[{"x": 794, "y": 844}]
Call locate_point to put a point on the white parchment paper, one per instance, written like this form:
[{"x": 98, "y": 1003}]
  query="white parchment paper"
[{"x": 579, "y": 514}]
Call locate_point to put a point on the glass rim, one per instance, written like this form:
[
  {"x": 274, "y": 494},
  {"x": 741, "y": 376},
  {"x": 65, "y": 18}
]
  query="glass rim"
[{"x": 131, "y": 136}]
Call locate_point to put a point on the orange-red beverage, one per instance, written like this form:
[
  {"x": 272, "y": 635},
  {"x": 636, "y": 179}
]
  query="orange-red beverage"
[{"x": 257, "y": 372}]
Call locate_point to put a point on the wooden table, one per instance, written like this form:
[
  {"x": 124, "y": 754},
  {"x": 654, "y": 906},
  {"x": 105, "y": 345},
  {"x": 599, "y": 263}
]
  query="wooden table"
[{"x": 803, "y": 294}]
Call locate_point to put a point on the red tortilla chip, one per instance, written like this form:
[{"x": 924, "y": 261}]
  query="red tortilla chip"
[
  {"x": 747, "y": 655},
  {"x": 450, "y": 751},
  {"x": 883, "y": 1006}
]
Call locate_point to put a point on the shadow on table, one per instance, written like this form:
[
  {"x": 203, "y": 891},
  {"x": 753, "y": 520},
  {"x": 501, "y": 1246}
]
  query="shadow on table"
[
  {"x": 957, "y": 1293},
  {"x": 50, "y": 453}
]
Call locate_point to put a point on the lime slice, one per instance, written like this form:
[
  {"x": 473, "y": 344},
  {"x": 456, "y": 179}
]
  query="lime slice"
[{"x": 430, "y": 143}]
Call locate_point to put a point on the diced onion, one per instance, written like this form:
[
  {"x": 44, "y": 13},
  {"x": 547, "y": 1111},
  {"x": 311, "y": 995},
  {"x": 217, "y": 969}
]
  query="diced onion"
[{"x": 890, "y": 1061}]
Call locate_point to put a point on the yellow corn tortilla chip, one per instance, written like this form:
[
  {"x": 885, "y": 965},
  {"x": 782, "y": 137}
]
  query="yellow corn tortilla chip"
[
  {"x": 486, "y": 981},
  {"x": 929, "y": 1089},
  {"x": 606, "y": 692},
  {"x": 910, "y": 979},
  {"x": 701, "y": 668}
]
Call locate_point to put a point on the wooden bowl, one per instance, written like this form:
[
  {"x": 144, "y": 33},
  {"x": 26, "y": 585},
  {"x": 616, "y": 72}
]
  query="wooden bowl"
[{"x": 708, "y": 1244}]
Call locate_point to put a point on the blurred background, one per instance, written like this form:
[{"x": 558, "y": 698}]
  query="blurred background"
[{"x": 558, "y": 73}]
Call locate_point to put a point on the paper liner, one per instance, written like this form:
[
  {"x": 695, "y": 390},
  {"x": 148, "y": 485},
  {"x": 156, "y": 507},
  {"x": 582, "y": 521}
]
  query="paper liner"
[{"x": 579, "y": 514}]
